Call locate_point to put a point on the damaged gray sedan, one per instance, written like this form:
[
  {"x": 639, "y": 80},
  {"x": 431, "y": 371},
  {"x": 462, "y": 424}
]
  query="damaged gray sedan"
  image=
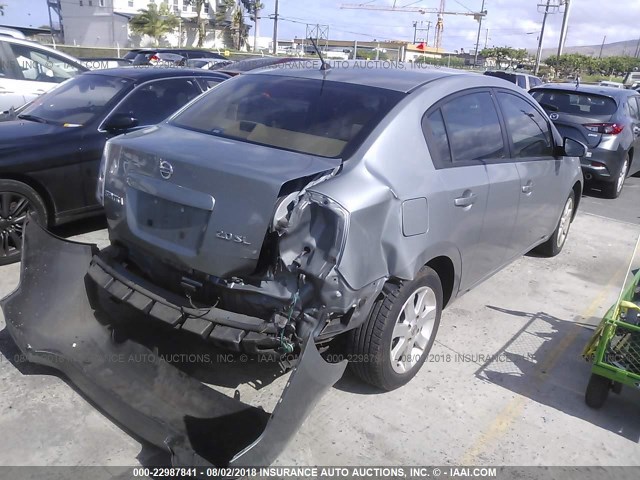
[{"x": 283, "y": 210}]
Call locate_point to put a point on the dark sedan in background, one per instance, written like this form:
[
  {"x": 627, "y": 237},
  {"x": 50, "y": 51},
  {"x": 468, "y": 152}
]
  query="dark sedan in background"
[
  {"x": 605, "y": 119},
  {"x": 50, "y": 154}
]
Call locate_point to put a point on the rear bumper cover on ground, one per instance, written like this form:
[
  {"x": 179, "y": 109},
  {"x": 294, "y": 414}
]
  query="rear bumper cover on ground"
[{"x": 55, "y": 321}]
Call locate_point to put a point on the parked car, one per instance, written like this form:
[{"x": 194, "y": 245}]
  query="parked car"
[
  {"x": 280, "y": 210},
  {"x": 249, "y": 64},
  {"x": 50, "y": 154},
  {"x": 28, "y": 69},
  {"x": 607, "y": 120},
  {"x": 144, "y": 56},
  {"x": 606, "y": 83},
  {"x": 523, "y": 80},
  {"x": 100, "y": 63},
  {"x": 631, "y": 78},
  {"x": 208, "y": 63},
  {"x": 309, "y": 188}
]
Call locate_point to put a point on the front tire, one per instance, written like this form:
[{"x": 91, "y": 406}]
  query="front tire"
[
  {"x": 554, "y": 245},
  {"x": 597, "y": 391},
  {"x": 16, "y": 201},
  {"x": 394, "y": 342}
]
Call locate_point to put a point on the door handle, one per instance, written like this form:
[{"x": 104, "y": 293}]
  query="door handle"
[
  {"x": 466, "y": 200},
  {"x": 528, "y": 188}
]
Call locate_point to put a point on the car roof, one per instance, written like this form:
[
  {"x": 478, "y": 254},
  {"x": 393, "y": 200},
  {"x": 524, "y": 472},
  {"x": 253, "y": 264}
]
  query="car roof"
[
  {"x": 401, "y": 77},
  {"x": 593, "y": 89},
  {"x": 151, "y": 73}
]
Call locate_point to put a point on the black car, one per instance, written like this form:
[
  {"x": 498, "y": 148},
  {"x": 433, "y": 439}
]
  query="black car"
[
  {"x": 606, "y": 120},
  {"x": 146, "y": 56},
  {"x": 50, "y": 154}
]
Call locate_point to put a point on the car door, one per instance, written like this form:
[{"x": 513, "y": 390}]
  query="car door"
[
  {"x": 10, "y": 91},
  {"x": 634, "y": 114},
  {"x": 36, "y": 70},
  {"x": 465, "y": 131},
  {"x": 541, "y": 194}
]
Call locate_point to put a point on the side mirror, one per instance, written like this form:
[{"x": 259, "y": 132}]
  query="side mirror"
[
  {"x": 574, "y": 148},
  {"x": 120, "y": 122}
]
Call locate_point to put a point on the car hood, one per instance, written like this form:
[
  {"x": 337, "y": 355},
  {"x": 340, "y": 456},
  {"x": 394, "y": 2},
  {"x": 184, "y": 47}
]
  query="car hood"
[
  {"x": 197, "y": 201},
  {"x": 21, "y": 134}
]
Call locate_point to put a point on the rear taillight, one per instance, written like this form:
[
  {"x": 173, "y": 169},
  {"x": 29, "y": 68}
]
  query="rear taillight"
[
  {"x": 154, "y": 58},
  {"x": 606, "y": 128}
]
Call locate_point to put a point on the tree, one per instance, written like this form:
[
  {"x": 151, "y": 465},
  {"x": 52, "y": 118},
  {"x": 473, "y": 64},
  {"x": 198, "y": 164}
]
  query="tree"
[
  {"x": 253, "y": 7},
  {"x": 2, "y": 5},
  {"x": 154, "y": 22},
  {"x": 230, "y": 15},
  {"x": 200, "y": 24},
  {"x": 505, "y": 57}
]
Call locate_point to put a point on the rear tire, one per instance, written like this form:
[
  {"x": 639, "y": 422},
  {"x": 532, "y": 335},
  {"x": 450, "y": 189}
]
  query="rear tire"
[
  {"x": 614, "y": 189},
  {"x": 597, "y": 391},
  {"x": 16, "y": 200},
  {"x": 558, "y": 238},
  {"x": 392, "y": 345}
]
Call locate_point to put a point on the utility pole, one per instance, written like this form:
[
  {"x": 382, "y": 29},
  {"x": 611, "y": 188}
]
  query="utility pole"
[
  {"x": 637, "y": 54},
  {"x": 602, "y": 46},
  {"x": 486, "y": 38},
  {"x": 565, "y": 27},
  {"x": 548, "y": 8},
  {"x": 275, "y": 31},
  {"x": 475, "y": 57}
]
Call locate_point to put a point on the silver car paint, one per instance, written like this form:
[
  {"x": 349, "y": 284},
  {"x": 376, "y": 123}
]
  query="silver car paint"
[{"x": 394, "y": 166}]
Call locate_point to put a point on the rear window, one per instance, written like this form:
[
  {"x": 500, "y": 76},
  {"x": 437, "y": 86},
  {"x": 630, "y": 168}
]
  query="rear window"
[
  {"x": 328, "y": 119},
  {"x": 575, "y": 103},
  {"x": 131, "y": 55}
]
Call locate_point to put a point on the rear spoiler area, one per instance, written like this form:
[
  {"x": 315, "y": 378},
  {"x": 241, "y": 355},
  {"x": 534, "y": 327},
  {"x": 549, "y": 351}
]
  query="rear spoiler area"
[{"x": 57, "y": 318}]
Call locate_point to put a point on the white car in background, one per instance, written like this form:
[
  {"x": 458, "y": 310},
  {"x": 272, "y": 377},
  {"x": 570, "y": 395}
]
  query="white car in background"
[{"x": 28, "y": 69}]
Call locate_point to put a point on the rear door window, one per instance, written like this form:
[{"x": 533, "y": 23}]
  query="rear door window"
[
  {"x": 522, "y": 81},
  {"x": 473, "y": 128},
  {"x": 527, "y": 129},
  {"x": 633, "y": 108}
]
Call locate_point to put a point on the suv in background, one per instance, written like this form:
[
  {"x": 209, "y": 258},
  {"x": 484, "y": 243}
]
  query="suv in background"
[
  {"x": 605, "y": 119},
  {"x": 28, "y": 69},
  {"x": 147, "y": 56},
  {"x": 523, "y": 80}
]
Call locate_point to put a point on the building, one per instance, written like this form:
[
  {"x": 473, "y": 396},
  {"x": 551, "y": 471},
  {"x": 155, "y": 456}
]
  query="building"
[{"x": 105, "y": 23}]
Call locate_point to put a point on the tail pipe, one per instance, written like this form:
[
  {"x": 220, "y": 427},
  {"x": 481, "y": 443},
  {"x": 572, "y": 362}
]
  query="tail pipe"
[{"x": 55, "y": 319}]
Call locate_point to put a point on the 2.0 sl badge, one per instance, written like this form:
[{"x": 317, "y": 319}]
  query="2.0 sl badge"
[{"x": 232, "y": 237}]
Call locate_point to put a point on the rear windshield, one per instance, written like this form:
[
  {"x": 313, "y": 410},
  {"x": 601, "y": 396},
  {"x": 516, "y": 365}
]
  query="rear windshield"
[
  {"x": 575, "y": 103},
  {"x": 131, "y": 55},
  {"x": 324, "y": 118},
  {"x": 510, "y": 77}
]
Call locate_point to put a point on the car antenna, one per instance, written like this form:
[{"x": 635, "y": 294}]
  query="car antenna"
[
  {"x": 577, "y": 81},
  {"x": 325, "y": 66}
]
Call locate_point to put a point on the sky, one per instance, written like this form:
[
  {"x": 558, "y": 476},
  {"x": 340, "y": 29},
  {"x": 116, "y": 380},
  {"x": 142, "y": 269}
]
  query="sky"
[{"x": 514, "y": 23}]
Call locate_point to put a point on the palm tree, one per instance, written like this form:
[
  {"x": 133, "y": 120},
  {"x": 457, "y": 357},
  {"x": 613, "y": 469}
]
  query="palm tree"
[
  {"x": 230, "y": 16},
  {"x": 200, "y": 25},
  {"x": 154, "y": 22},
  {"x": 254, "y": 7}
]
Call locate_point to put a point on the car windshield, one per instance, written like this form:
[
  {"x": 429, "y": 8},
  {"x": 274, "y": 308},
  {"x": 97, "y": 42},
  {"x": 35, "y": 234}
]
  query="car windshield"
[
  {"x": 575, "y": 103},
  {"x": 77, "y": 101},
  {"x": 328, "y": 119}
]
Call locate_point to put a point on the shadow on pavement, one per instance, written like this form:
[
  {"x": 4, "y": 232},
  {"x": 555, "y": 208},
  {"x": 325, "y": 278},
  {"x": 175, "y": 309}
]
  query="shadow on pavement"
[{"x": 543, "y": 362}]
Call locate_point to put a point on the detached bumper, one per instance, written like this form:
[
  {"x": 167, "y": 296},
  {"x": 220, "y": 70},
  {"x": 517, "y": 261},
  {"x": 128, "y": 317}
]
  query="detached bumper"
[{"x": 56, "y": 320}]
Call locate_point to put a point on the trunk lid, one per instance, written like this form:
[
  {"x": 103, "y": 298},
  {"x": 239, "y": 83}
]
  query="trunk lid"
[
  {"x": 198, "y": 201},
  {"x": 573, "y": 126}
]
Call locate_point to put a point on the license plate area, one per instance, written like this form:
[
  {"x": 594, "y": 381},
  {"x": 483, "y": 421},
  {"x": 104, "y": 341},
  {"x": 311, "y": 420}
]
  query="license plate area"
[{"x": 170, "y": 221}]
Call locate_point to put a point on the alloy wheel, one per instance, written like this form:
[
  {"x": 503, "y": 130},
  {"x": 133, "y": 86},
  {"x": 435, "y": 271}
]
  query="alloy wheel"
[
  {"x": 622, "y": 176},
  {"x": 413, "y": 329},
  {"x": 13, "y": 213},
  {"x": 565, "y": 223}
]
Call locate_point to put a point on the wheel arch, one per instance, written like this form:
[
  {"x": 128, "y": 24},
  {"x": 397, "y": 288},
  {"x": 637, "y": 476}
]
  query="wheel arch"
[
  {"x": 577, "y": 196},
  {"x": 40, "y": 190},
  {"x": 444, "y": 268}
]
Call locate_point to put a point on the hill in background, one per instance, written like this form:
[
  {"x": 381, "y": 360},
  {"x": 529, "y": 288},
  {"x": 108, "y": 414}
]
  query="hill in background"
[{"x": 625, "y": 48}]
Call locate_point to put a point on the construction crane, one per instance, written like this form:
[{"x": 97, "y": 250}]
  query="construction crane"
[{"x": 441, "y": 12}]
